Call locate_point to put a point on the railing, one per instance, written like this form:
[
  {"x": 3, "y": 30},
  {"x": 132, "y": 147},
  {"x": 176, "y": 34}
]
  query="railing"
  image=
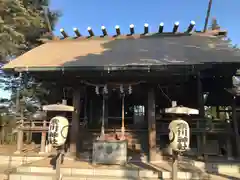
[
  {"x": 39, "y": 126},
  {"x": 198, "y": 126}
]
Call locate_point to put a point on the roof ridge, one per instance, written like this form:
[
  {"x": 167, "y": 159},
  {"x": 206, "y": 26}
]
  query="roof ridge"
[{"x": 208, "y": 33}]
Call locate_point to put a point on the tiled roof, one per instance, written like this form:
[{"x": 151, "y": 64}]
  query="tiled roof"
[{"x": 130, "y": 50}]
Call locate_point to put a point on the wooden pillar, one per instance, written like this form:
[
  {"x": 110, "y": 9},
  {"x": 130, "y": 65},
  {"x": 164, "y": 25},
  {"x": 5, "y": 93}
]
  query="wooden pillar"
[
  {"x": 43, "y": 138},
  {"x": 235, "y": 126},
  {"x": 106, "y": 113},
  {"x": 19, "y": 141},
  {"x": 90, "y": 111},
  {"x": 20, "y": 137},
  {"x": 201, "y": 111},
  {"x": 198, "y": 140},
  {"x": 228, "y": 140},
  {"x": 200, "y": 97},
  {"x": 151, "y": 124},
  {"x": 229, "y": 148},
  {"x": 3, "y": 134},
  {"x": 217, "y": 112},
  {"x": 74, "y": 130}
]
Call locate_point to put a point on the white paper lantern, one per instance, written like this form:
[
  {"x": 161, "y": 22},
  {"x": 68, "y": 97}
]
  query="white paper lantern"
[
  {"x": 58, "y": 131},
  {"x": 179, "y": 135}
]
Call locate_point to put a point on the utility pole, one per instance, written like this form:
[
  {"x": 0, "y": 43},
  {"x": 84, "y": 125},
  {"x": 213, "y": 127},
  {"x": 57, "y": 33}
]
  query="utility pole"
[
  {"x": 207, "y": 15},
  {"x": 46, "y": 13}
]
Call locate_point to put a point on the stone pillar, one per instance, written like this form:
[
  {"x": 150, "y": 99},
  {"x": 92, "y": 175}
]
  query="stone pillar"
[
  {"x": 43, "y": 138},
  {"x": 151, "y": 124},
  {"x": 74, "y": 130}
]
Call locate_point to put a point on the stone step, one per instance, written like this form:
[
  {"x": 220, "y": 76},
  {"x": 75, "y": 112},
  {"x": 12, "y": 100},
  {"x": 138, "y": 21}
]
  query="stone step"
[
  {"x": 18, "y": 160},
  {"x": 45, "y": 176},
  {"x": 50, "y": 176},
  {"x": 94, "y": 173},
  {"x": 91, "y": 172}
]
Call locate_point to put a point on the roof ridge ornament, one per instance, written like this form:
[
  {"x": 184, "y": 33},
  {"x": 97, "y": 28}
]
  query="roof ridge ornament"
[
  {"x": 131, "y": 28},
  {"x": 161, "y": 26},
  {"x": 118, "y": 32},
  {"x": 146, "y": 28},
  {"x": 175, "y": 27},
  {"x": 104, "y": 31},
  {"x": 78, "y": 34},
  {"x": 189, "y": 31},
  {"x": 90, "y": 31}
]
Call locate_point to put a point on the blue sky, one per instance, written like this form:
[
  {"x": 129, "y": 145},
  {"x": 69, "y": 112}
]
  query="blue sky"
[{"x": 95, "y": 13}]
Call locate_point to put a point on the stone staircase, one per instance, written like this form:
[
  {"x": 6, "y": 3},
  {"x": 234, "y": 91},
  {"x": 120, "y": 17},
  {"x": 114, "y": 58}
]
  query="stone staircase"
[
  {"x": 36, "y": 167},
  {"x": 47, "y": 173},
  {"x": 72, "y": 170}
]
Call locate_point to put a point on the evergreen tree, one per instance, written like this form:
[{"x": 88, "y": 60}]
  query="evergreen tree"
[{"x": 22, "y": 26}]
